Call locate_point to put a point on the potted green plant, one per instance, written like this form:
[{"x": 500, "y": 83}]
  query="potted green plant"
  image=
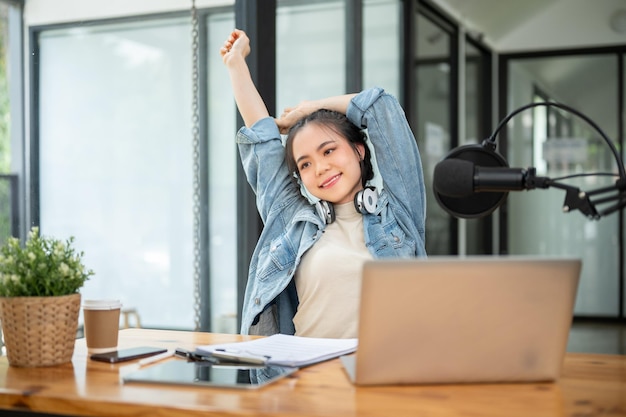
[{"x": 40, "y": 299}]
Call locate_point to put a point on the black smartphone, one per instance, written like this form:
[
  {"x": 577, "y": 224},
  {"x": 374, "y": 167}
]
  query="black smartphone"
[{"x": 125, "y": 355}]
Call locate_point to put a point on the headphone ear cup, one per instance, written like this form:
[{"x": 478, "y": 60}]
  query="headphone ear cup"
[
  {"x": 326, "y": 211},
  {"x": 365, "y": 201}
]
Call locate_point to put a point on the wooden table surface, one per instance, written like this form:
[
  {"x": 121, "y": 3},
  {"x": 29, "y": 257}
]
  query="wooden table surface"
[{"x": 591, "y": 385}]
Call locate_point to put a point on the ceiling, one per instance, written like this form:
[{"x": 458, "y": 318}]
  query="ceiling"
[
  {"x": 514, "y": 25},
  {"x": 525, "y": 26}
]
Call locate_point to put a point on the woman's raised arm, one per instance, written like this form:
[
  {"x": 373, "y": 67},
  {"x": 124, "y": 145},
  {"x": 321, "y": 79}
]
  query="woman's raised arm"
[{"x": 249, "y": 102}]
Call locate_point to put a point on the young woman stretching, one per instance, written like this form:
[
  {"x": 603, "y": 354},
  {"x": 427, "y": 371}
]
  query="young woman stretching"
[{"x": 346, "y": 187}]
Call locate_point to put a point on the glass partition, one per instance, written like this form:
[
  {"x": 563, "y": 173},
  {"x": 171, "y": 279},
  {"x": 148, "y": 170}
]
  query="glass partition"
[
  {"x": 433, "y": 130},
  {"x": 560, "y": 144},
  {"x": 477, "y": 124}
]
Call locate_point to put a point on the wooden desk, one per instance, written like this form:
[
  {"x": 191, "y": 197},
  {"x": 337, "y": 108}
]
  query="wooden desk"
[{"x": 591, "y": 385}]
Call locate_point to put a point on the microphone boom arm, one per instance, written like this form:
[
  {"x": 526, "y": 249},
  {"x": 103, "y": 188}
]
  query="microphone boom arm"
[{"x": 576, "y": 199}]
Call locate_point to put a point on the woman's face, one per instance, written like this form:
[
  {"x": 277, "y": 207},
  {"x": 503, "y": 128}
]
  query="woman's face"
[{"x": 327, "y": 163}]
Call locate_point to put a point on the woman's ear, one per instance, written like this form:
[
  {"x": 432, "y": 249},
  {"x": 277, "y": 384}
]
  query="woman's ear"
[{"x": 360, "y": 148}]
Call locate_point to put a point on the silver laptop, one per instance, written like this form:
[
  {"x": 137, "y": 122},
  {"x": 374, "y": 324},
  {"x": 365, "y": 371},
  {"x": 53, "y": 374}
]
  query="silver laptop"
[{"x": 463, "y": 320}]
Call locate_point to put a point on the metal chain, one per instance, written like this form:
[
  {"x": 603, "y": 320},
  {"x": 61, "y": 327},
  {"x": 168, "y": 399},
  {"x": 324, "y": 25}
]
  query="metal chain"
[{"x": 195, "y": 127}]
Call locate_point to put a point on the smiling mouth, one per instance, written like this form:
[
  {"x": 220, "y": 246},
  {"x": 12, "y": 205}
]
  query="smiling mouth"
[{"x": 331, "y": 181}]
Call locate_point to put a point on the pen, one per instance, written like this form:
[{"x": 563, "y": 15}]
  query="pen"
[
  {"x": 194, "y": 356},
  {"x": 240, "y": 357},
  {"x": 155, "y": 358}
]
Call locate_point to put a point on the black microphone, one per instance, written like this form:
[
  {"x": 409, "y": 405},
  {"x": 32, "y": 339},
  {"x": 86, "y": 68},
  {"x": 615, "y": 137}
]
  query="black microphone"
[
  {"x": 450, "y": 182},
  {"x": 461, "y": 178},
  {"x": 474, "y": 180}
]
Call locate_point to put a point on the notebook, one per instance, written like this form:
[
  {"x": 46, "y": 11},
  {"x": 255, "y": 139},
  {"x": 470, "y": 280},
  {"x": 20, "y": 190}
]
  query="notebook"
[
  {"x": 463, "y": 320},
  {"x": 282, "y": 350}
]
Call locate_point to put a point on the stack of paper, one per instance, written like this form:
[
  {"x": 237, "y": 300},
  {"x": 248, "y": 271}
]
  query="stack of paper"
[{"x": 285, "y": 350}]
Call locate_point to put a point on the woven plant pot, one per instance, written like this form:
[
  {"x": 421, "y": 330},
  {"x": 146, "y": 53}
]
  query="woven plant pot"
[{"x": 39, "y": 331}]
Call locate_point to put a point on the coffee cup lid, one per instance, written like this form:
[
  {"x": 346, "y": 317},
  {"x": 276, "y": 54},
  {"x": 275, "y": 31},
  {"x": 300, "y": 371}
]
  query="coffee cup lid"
[{"x": 102, "y": 304}]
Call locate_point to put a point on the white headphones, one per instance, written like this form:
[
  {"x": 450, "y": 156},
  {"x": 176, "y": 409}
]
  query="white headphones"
[
  {"x": 365, "y": 202},
  {"x": 326, "y": 211}
]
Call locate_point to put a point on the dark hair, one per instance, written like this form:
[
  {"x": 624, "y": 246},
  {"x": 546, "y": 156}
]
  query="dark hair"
[{"x": 340, "y": 124}]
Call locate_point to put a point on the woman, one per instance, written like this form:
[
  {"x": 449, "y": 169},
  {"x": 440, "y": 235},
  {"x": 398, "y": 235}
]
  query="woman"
[{"x": 355, "y": 161}]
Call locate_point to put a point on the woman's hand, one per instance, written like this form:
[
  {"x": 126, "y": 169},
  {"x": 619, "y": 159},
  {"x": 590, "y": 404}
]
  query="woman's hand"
[
  {"x": 292, "y": 114},
  {"x": 237, "y": 44}
]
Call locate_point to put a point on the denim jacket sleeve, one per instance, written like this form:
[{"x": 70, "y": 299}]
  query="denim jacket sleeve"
[
  {"x": 265, "y": 167},
  {"x": 396, "y": 149},
  {"x": 290, "y": 227}
]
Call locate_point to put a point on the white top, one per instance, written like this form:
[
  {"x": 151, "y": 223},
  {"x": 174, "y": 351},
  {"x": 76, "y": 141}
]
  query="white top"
[{"x": 328, "y": 279}]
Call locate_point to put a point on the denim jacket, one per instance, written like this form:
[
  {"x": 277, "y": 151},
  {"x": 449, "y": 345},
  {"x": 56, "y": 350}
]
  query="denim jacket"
[{"x": 292, "y": 225}]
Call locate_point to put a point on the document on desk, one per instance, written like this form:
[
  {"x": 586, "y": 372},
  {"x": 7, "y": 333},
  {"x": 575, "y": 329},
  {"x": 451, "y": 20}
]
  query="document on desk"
[{"x": 284, "y": 350}]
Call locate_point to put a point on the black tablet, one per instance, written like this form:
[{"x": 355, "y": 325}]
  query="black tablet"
[{"x": 180, "y": 372}]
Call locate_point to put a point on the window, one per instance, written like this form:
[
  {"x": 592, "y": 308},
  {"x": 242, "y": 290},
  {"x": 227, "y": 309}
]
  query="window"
[
  {"x": 10, "y": 118},
  {"x": 223, "y": 160},
  {"x": 115, "y": 159},
  {"x": 5, "y": 112},
  {"x": 310, "y": 51},
  {"x": 381, "y": 45}
]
